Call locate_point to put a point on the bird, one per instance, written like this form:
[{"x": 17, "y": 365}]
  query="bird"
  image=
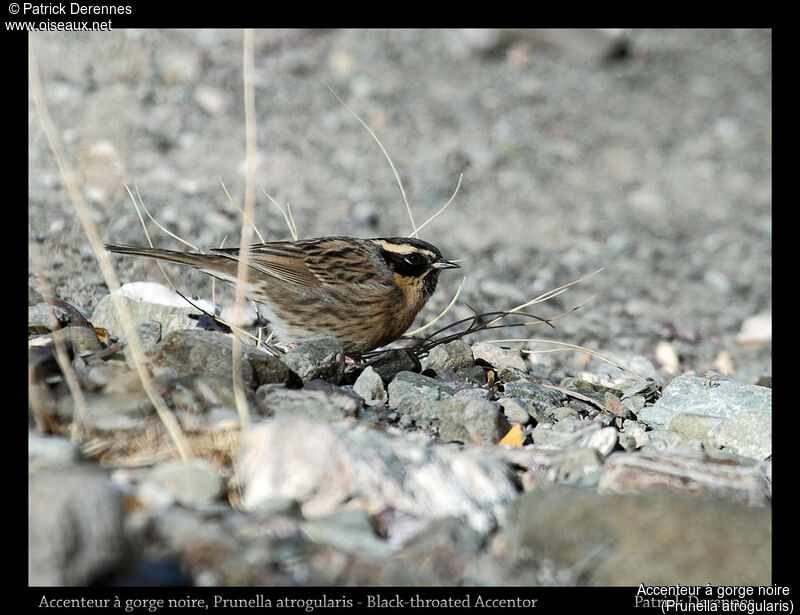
[{"x": 364, "y": 292}]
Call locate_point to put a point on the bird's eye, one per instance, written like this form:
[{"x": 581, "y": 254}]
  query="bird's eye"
[{"x": 413, "y": 259}]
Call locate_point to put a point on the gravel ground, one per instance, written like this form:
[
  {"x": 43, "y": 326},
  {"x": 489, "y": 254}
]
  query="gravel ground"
[
  {"x": 646, "y": 153},
  {"x": 655, "y": 166}
]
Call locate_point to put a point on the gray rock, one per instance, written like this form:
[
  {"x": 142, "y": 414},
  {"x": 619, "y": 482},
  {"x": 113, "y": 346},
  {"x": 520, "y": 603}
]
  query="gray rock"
[
  {"x": 693, "y": 426},
  {"x": 515, "y": 410},
  {"x": 709, "y": 396},
  {"x": 324, "y": 403},
  {"x": 438, "y": 554},
  {"x": 416, "y": 395},
  {"x": 661, "y": 440},
  {"x": 149, "y": 332},
  {"x": 322, "y": 358},
  {"x": 580, "y": 466},
  {"x": 198, "y": 352},
  {"x": 634, "y": 403},
  {"x": 46, "y": 451},
  {"x": 369, "y": 385},
  {"x": 571, "y": 432},
  {"x": 645, "y": 388},
  {"x": 349, "y": 531},
  {"x": 694, "y": 473},
  {"x": 74, "y": 527},
  {"x": 632, "y": 436},
  {"x": 471, "y": 420},
  {"x": 603, "y": 441},
  {"x": 172, "y": 318},
  {"x": 326, "y": 466},
  {"x": 190, "y": 482},
  {"x": 561, "y": 413},
  {"x": 455, "y": 355},
  {"x": 40, "y": 318},
  {"x": 575, "y": 465},
  {"x": 473, "y": 374},
  {"x": 541, "y": 397},
  {"x": 199, "y": 394},
  {"x": 748, "y": 433},
  {"x": 108, "y": 412},
  {"x": 83, "y": 340},
  {"x": 499, "y": 357},
  {"x": 590, "y": 539},
  {"x": 596, "y": 392}
]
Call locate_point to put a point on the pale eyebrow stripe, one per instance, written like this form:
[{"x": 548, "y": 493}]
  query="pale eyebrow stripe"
[{"x": 402, "y": 249}]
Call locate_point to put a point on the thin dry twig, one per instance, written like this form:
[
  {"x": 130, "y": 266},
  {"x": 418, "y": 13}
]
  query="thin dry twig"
[
  {"x": 553, "y": 292},
  {"x": 89, "y": 228},
  {"x": 156, "y": 222}
]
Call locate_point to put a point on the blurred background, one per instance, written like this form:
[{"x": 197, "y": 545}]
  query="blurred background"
[{"x": 647, "y": 153}]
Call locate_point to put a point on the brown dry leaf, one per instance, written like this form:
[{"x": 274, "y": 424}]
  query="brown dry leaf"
[
  {"x": 102, "y": 334},
  {"x": 513, "y": 437}
]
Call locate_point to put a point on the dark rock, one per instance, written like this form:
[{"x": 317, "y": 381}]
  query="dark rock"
[
  {"x": 268, "y": 368},
  {"x": 392, "y": 362},
  {"x": 596, "y": 392}
]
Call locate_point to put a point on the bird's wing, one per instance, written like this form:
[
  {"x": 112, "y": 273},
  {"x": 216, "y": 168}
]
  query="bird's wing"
[
  {"x": 285, "y": 261},
  {"x": 326, "y": 261}
]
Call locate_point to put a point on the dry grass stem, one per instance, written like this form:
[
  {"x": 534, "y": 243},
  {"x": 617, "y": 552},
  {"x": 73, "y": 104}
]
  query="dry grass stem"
[
  {"x": 243, "y": 264},
  {"x": 156, "y": 222},
  {"x": 572, "y": 348},
  {"x": 388, "y": 158},
  {"x": 445, "y": 206},
  {"x": 89, "y": 228},
  {"x": 241, "y": 211},
  {"x": 287, "y": 215}
]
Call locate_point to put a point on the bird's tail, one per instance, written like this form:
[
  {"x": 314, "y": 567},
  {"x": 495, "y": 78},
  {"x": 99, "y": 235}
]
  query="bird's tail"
[{"x": 214, "y": 264}]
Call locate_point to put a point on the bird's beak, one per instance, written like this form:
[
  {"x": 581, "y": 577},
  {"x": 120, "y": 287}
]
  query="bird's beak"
[{"x": 443, "y": 264}]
